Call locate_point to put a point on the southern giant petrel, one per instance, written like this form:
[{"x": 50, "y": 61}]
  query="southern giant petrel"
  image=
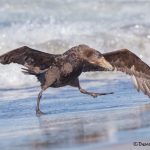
[{"x": 64, "y": 69}]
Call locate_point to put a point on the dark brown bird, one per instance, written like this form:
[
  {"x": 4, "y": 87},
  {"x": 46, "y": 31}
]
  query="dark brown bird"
[{"x": 61, "y": 70}]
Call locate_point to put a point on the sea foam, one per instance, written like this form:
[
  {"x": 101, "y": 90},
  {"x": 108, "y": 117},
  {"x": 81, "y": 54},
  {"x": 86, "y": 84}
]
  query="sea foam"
[{"x": 56, "y": 26}]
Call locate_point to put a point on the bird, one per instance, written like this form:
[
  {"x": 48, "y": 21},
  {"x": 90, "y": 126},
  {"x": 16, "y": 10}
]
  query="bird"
[{"x": 59, "y": 70}]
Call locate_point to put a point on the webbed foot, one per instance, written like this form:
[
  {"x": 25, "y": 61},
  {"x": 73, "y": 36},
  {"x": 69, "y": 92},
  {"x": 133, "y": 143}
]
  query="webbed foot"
[
  {"x": 39, "y": 112},
  {"x": 99, "y": 94}
]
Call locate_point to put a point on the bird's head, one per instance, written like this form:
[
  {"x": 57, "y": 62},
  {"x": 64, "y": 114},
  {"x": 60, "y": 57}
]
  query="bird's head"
[{"x": 94, "y": 57}]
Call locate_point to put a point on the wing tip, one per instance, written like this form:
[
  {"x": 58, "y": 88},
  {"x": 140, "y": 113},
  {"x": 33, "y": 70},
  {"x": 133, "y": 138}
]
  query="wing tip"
[{"x": 2, "y": 59}]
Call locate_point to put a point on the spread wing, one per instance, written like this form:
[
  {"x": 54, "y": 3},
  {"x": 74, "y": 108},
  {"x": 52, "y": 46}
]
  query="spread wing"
[
  {"x": 126, "y": 61},
  {"x": 30, "y": 58}
]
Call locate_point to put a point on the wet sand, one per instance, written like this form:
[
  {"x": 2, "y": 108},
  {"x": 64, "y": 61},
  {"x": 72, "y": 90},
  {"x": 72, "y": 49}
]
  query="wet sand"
[{"x": 75, "y": 121}]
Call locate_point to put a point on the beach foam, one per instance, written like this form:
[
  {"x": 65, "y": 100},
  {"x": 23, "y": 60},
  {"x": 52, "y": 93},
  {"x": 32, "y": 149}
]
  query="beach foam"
[{"x": 55, "y": 26}]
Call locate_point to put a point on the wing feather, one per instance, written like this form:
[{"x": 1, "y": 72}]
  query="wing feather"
[
  {"x": 127, "y": 62},
  {"x": 28, "y": 57}
]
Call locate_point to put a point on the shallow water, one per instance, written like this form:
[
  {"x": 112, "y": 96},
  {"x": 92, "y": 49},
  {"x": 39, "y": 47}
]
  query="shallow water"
[{"x": 73, "y": 121}]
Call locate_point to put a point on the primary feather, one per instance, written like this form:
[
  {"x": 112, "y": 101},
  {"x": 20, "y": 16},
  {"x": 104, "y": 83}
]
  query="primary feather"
[{"x": 127, "y": 62}]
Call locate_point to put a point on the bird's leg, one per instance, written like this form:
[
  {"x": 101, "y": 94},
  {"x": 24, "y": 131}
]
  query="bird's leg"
[
  {"x": 38, "y": 111},
  {"x": 75, "y": 83},
  {"x": 92, "y": 93},
  {"x": 50, "y": 78}
]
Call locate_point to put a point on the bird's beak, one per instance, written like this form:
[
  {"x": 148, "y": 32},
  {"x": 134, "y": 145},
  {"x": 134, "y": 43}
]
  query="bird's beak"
[{"x": 102, "y": 62}]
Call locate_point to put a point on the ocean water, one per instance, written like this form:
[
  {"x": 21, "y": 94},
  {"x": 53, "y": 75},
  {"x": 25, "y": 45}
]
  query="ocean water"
[
  {"x": 56, "y": 26},
  {"x": 74, "y": 121}
]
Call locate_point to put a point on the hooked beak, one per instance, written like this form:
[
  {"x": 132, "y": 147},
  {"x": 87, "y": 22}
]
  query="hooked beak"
[{"x": 102, "y": 62}]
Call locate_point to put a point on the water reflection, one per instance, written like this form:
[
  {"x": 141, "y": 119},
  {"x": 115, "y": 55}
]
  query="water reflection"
[{"x": 91, "y": 127}]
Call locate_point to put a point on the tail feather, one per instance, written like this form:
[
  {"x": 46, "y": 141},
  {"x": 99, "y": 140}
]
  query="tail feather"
[
  {"x": 40, "y": 75},
  {"x": 33, "y": 71},
  {"x": 28, "y": 72}
]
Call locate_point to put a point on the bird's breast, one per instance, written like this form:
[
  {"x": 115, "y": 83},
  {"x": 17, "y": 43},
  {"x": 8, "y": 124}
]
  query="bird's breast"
[
  {"x": 66, "y": 69},
  {"x": 67, "y": 74}
]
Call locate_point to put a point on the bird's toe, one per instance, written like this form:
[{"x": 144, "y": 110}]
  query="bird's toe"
[
  {"x": 39, "y": 113},
  {"x": 94, "y": 95}
]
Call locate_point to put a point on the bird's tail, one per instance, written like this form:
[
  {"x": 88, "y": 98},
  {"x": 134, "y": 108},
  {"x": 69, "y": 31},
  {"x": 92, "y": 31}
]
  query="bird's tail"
[
  {"x": 33, "y": 71},
  {"x": 40, "y": 75},
  {"x": 28, "y": 72}
]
